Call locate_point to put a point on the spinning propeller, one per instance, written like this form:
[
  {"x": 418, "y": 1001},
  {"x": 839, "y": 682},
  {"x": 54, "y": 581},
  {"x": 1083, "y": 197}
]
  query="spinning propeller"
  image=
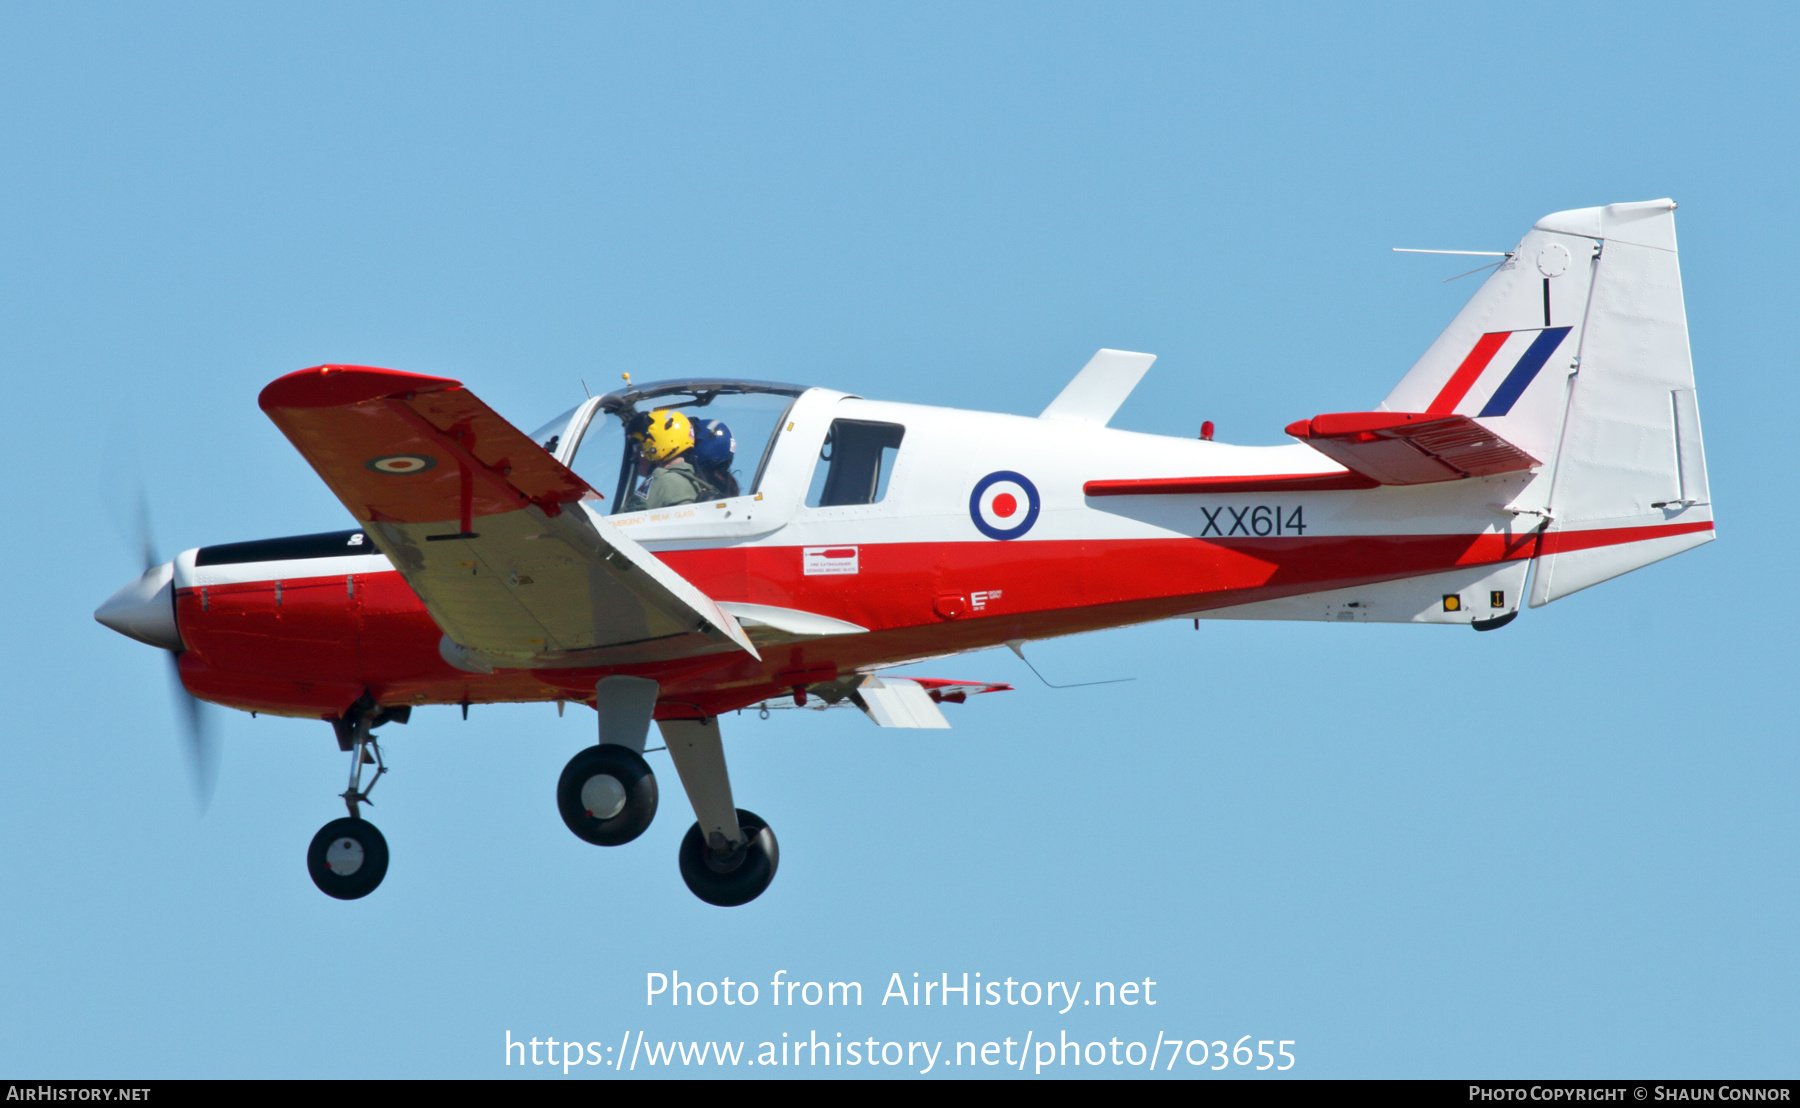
[{"x": 145, "y": 610}]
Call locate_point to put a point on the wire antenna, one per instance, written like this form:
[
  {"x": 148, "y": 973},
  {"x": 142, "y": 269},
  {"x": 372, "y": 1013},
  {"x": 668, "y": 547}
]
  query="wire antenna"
[
  {"x": 1470, "y": 253},
  {"x": 1477, "y": 269},
  {"x": 1017, "y": 646}
]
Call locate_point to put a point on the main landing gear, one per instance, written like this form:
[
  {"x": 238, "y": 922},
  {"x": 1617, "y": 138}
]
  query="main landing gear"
[
  {"x": 729, "y": 874},
  {"x": 607, "y": 795},
  {"x": 349, "y": 857}
]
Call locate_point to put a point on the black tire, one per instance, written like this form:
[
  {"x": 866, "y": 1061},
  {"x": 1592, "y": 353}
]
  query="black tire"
[
  {"x": 347, "y": 858},
  {"x": 633, "y": 788},
  {"x": 741, "y": 879}
]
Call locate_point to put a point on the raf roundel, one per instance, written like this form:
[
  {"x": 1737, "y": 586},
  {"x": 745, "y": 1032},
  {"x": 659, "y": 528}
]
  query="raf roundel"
[
  {"x": 401, "y": 463},
  {"x": 1004, "y": 504}
]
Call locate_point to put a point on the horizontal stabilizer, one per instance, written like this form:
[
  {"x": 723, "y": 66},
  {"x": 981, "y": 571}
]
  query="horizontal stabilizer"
[{"x": 1411, "y": 448}]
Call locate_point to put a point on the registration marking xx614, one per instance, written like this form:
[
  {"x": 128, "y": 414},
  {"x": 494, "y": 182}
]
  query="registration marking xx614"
[{"x": 1254, "y": 519}]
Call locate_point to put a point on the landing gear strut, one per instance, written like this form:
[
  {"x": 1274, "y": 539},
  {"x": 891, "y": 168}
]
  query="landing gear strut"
[
  {"x": 607, "y": 794},
  {"x": 349, "y": 857},
  {"x": 729, "y": 855}
]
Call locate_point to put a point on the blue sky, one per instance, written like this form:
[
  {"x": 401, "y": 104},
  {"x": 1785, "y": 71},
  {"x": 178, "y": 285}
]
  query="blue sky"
[{"x": 1567, "y": 849}]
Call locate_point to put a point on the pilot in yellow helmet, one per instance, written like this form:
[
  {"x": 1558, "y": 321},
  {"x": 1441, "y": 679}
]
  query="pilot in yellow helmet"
[{"x": 665, "y": 445}]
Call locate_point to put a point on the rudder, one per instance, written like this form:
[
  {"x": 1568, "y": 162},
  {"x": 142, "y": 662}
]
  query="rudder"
[{"x": 1629, "y": 485}]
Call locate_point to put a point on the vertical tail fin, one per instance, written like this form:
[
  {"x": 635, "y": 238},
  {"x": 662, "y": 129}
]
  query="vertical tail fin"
[
  {"x": 1505, "y": 359},
  {"x": 1576, "y": 350}
]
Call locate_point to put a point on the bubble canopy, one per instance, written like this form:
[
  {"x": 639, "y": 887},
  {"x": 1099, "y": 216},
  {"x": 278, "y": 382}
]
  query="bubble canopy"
[{"x": 591, "y": 438}]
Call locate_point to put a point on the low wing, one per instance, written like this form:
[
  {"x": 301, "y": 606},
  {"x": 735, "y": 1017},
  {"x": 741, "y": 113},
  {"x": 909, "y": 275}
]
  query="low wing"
[
  {"x": 487, "y": 527},
  {"x": 1410, "y": 448}
]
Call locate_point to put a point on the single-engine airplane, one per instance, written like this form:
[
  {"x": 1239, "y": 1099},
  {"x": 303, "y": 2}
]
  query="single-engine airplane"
[{"x": 673, "y": 552}]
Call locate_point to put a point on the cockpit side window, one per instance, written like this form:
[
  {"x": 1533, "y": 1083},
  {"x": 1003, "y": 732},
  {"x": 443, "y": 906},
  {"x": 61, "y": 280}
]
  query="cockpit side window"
[
  {"x": 859, "y": 458},
  {"x": 597, "y": 457}
]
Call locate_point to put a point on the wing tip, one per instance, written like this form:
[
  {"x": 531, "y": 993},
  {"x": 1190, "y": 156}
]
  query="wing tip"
[{"x": 333, "y": 386}]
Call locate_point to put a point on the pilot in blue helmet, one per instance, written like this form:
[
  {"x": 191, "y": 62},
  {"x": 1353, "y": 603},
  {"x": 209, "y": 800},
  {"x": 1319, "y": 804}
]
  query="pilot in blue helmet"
[{"x": 714, "y": 450}]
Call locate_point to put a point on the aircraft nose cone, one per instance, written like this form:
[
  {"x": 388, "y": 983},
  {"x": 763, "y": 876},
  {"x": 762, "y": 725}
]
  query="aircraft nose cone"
[{"x": 145, "y": 609}]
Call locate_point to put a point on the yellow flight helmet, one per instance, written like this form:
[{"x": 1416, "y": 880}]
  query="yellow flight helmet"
[{"x": 669, "y": 434}]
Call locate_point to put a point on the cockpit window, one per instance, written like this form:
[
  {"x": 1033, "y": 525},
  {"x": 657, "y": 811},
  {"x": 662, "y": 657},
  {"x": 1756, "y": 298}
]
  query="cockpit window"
[
  {"x": 550, "y": 435},
  {"x": 732, "y": 423},
  {"x": 597, "y": 458}
]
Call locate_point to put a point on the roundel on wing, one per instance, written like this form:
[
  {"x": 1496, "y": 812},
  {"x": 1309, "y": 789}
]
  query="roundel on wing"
[
  {"x": 1004, "y": 504},
  {"x": 401, "y": 463}
]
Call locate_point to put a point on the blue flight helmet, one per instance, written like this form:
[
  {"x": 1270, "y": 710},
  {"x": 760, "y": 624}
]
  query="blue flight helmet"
[{"x": 713, "y": 445}]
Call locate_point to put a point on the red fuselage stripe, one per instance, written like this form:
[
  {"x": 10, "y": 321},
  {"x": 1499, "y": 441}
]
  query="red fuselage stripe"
[
  {"x": 1271, "y": 482},
  {"x": 1563, "y": 542},
  {"x": 312, "y": 647}
]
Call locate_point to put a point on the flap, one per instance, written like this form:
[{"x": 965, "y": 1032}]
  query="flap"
[{"x": 899, "y": 702}]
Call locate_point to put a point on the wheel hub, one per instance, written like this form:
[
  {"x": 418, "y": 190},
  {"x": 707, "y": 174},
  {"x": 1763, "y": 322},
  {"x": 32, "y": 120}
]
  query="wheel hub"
[
  {"x": 344, "y": 857},
  {"x": 722, "y": 855},
  {"x": 603, "y": 796}
]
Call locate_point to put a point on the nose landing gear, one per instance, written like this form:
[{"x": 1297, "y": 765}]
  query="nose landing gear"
[{"x": 348, "y": 857}]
